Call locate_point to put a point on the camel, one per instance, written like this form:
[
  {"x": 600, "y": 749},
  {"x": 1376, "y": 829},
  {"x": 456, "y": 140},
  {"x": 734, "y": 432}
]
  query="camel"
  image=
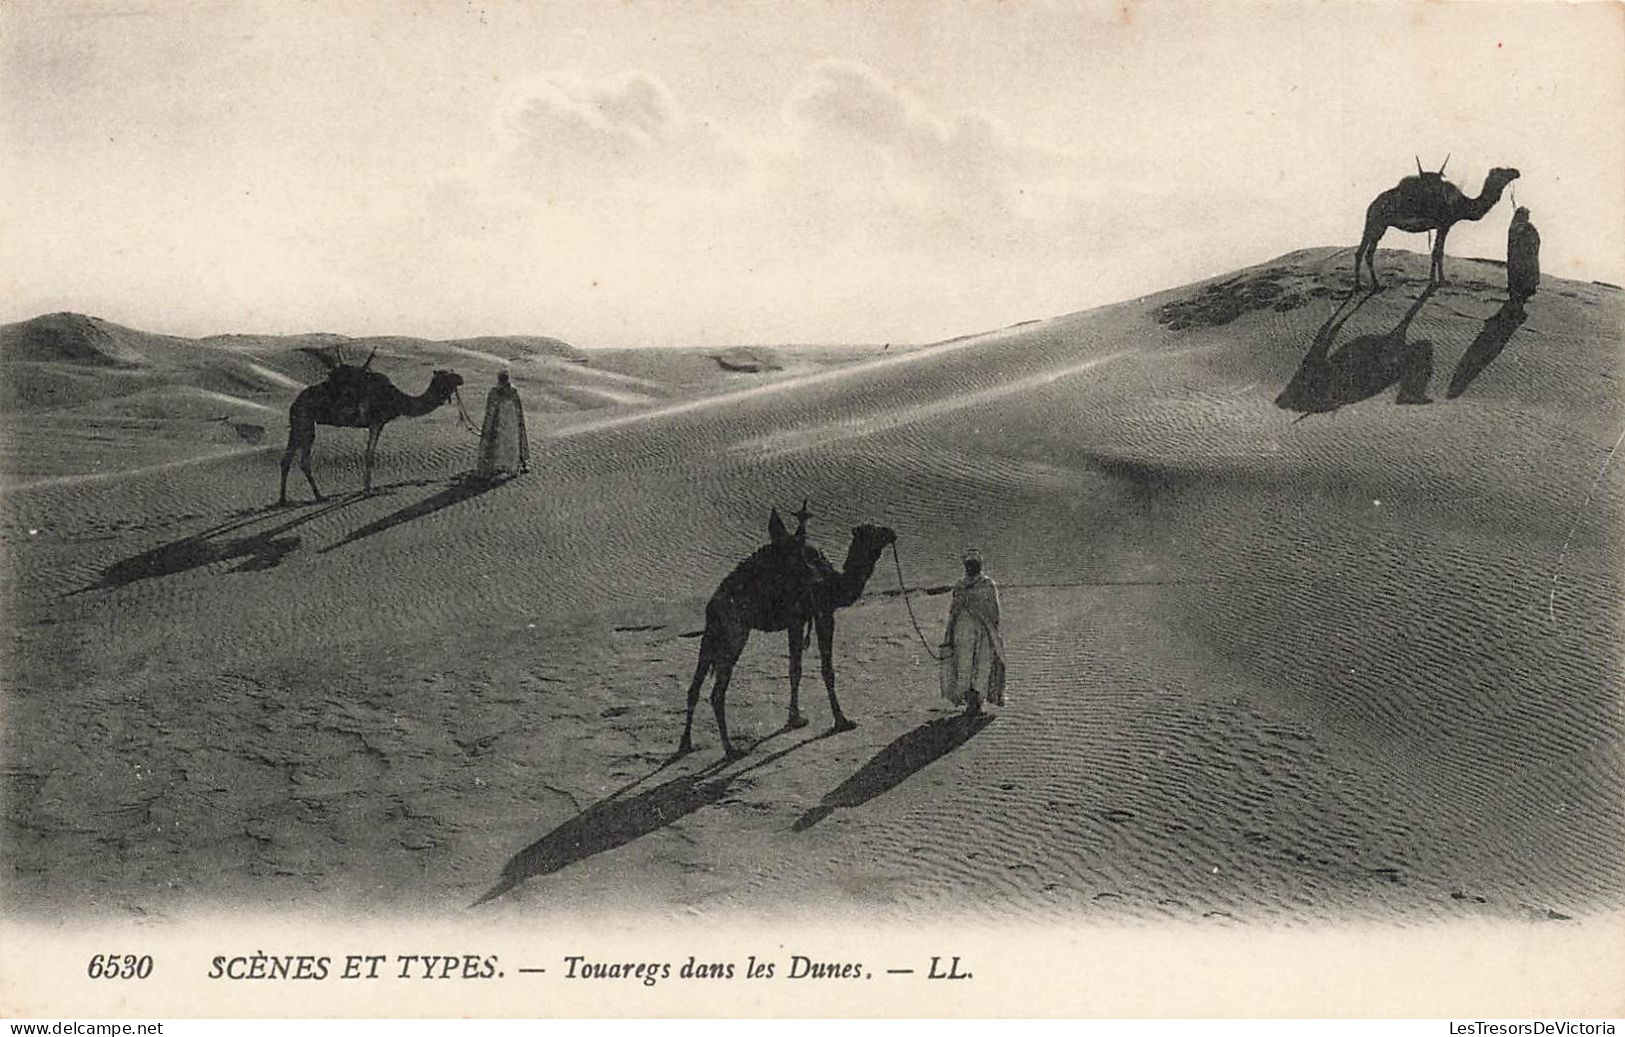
[
  {"x": 353, "y": 397},
  {"x": 1421, "y": 203},
  {"x": 783, "y": 586}
]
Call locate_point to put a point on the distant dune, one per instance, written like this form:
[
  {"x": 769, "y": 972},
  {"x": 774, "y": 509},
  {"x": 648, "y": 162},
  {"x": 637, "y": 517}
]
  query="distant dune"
[
  {"x": 66, "y": 379},
  {"x": 1313, "y": 607},
  {"x": 72, "y": 338},
  {"x": 750, "y": 360}
]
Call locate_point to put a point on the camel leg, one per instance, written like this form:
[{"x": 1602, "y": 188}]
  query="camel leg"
[
  {"x": 366, "y": 462},
  {"x": 287, "y": 462},
  {"x": 1436, "y": 271},
  {"x": 304, "y": 466},
  {"x": 825, "y": 626},
  {"x": 796, "y": 644},
  {"x": 719, "y": 699},
  {"x": 1367, "y": 252},
  {"x": 702, "y": 669},
  {"x": 300, "y": 435}
]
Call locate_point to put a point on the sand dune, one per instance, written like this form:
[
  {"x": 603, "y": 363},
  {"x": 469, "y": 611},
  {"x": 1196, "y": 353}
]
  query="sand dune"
[
  {"x": 72, "y": 383},
  {"x": 1283, "y": 647}
]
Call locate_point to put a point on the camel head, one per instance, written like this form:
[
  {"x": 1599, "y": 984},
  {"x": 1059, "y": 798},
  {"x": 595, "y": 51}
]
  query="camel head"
[
  {"x": 443, "y": 384},
  {"x": 872, "y": 540},
  {"x": 1494, "y": 183}
]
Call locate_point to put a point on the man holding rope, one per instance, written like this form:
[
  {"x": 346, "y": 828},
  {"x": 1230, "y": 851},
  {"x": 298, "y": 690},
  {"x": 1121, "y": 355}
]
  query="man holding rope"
[{"x": 972, "y": 661}]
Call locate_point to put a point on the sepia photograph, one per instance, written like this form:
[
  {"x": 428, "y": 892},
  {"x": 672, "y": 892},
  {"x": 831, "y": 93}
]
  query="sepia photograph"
[{"x": 812, "y": 508}]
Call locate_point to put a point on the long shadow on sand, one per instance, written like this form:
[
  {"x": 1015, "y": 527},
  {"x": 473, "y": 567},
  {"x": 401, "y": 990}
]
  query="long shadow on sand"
[
  {"x": 619, "y": 819},
  {"x": 462, "y": 489},
  {"x": 1492, "y": 338},
  {"x": 263, "y": 549},
  {"x": 896, "y": 763},
  {"x": 1360, "y": 370}
]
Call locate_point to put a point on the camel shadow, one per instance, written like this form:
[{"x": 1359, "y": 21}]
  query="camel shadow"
[
  {"x": 1364, "y": 367},
  {"x": 896, "y": 763},
  {"x": 461, "y": 489},
  {"x": 619, "y": 819},
  {"x": 1492, "y": 338},
  {"x": 255, "y": 552}
]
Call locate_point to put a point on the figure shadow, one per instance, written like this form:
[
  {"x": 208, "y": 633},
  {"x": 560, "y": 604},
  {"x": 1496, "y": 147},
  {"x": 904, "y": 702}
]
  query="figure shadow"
[
  {"x": 463, "y": 488},
  {"x": 896, "y": 763},
  {"x": 1364, "y": 367},
  {"x": 620, "y": 818},
  {"x": 256, "y": 551},
  {"x": 1492, "y": 338}
]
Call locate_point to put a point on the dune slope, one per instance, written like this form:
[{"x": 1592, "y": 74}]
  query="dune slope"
[{"x": 1287, "y": 642}]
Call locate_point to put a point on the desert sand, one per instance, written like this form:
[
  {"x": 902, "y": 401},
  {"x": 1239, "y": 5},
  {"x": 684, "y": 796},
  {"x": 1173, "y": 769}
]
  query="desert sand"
[{"x": 1282, "y": 647}]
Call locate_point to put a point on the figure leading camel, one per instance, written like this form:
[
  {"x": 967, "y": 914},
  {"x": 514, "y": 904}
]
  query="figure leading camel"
[
  {"x": 1422, "y": 203},
  {"x": 782, "y": 586},
  {"x": 354, "y": 397}
]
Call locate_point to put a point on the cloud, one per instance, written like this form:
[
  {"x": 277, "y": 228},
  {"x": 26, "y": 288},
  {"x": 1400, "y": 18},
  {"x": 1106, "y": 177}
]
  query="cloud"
[
  {"x": 864, "y": 210},
  {"x": 857, "y": 160},
  {"x": 562, "y": 133},
  {"x": 960, "y": 166}
]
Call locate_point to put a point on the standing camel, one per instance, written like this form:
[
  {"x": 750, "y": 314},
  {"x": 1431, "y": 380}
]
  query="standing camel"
[
  {"x": 1421, "y": 203},
  {"x": 353, "y": 397},
  {"x": 782, "y": 586}
]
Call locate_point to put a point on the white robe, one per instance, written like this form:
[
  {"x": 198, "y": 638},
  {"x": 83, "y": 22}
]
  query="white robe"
[
  {"x": 504, "y": 446},
  {"x": 973, "y": 649}
]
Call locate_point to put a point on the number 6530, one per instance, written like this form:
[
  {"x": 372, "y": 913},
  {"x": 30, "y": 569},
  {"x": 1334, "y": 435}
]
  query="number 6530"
[{"x": 119, "y": 966}]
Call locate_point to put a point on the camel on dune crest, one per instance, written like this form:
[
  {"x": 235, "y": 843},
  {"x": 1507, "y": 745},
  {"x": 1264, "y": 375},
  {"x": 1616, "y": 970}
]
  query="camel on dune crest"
[
  {"x": 1422, "y": 203},
  {"x": 354, "y": 397},
  {"x": 783, "y": 586}
]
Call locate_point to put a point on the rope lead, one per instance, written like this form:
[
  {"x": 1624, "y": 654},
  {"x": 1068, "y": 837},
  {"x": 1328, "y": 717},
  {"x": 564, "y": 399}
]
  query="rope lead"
[
  {"x": 462, "y": 414},
  {"x": 903, "y": 589}
]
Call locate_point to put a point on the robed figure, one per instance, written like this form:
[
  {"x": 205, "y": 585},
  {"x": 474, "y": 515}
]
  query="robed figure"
[
  {"x": 1523, "y": 257},
  {"x": 972, "y": 667},
  {"x": 504, "y": 447}
]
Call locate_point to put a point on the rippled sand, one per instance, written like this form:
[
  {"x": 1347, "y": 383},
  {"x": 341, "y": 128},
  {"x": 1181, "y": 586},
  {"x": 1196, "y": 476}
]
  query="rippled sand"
[{"x": 1281, "y": 646}]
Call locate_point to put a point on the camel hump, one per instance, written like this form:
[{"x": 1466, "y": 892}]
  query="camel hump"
[
  {"x": 785, "y": 566},
  {"x": 1426, "y": 191},
  {"x": 350, "y": 386},
  {"x": 358, "y": 381}
]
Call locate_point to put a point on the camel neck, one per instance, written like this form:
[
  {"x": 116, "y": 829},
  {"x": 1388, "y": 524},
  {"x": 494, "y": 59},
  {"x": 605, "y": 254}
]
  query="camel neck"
[
  {"x": 1477, "y": 207},
  {"x": 417, "y": 406},
  {"x": 854, "y": 577}
]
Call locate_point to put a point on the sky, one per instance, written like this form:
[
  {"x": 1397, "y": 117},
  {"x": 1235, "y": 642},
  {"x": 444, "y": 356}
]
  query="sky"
[{"x": 623, "y": 172}]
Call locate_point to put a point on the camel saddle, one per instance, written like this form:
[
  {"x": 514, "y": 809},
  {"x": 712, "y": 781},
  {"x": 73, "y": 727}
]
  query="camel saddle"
[
  {"x": 351, "y": 386},
  {"x": 1428, "y": 192}
]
